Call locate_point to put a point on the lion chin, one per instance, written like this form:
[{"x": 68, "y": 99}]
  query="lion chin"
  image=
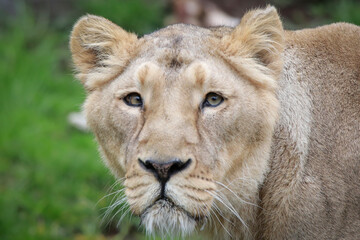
[{"x": 166, "y": 219}]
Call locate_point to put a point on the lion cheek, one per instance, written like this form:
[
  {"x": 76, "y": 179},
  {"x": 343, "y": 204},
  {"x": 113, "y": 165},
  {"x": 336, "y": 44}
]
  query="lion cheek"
[{"x": 140, "y": 195}]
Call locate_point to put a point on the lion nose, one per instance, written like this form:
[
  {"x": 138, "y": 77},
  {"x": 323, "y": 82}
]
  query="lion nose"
[{"x": 164, "y": 170}]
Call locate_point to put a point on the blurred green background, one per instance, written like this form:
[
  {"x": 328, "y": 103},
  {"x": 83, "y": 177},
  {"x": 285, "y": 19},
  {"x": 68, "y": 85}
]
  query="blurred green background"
[{"x": 51, "y": 177}]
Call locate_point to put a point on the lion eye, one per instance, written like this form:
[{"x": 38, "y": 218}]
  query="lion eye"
[
  {"x": 133, "y": 100},
  {"x": 212, "y": 100}
]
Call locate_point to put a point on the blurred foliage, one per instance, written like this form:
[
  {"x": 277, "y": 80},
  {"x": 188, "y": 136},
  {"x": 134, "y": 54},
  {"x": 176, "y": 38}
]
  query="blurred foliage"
[
  {"x": 51, "y": 177},
  {"x": 338, "y": 11},
  {"x": 298, "y": 14},
  {"x": 138, "y": 16}
]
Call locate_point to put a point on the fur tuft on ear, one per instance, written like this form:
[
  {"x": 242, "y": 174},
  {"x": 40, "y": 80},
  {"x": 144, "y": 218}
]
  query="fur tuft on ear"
[
  {"x": 100, "y": 50},
  {"x": 255, "y": 46}
]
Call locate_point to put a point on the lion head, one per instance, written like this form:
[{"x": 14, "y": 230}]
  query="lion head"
[{"x": 184, "y": 114}]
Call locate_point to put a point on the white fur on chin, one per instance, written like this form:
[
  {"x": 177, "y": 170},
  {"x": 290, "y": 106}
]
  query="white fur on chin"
[{"x": 165, "y": 219}]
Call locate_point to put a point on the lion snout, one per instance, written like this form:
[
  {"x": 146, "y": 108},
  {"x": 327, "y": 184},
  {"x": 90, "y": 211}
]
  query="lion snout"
[{"x": 164, "y": 170}]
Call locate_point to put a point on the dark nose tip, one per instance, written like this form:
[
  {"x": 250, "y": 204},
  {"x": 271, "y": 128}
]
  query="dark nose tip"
[{"x": 164, "y": 170}]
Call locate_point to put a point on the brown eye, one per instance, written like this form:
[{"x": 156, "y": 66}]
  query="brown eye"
[
  {"x": 212, "y": 100},
  {"x": 133, "y": 100}
]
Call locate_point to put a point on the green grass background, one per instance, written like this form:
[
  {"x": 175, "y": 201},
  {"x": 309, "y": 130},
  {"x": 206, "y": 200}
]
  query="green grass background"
[{"x": 51, "y": 176}]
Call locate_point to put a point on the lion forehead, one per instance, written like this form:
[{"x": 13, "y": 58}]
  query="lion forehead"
[{"x": 177, "y": 45}]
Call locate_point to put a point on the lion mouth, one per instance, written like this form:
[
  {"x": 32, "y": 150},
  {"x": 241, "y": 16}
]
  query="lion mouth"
[
  {"x": 167, "y": 218},
  {"x": 166, "y": 204}
]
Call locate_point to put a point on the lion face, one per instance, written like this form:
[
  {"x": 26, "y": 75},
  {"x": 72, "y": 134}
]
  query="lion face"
[{"x": 179, "y": 116}]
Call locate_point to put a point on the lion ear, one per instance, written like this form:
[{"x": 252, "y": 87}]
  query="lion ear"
[
  {"x": 258, "y": 39},
  {"x": 100, "y": 50}
]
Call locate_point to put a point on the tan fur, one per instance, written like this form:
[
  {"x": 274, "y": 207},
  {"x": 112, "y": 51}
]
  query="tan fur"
[
  {"x": 278, "y": 159},
  {"x": 100, "y": 50}
]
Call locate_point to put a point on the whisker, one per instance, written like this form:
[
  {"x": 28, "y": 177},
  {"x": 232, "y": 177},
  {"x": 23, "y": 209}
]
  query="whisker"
[
  {"x": 121, "y": 203},
  {"x": 211, "y": 215},
  {"x": 237, "y": 196},
  {"x": 110, "y": 194},
  {"x": 116, "y": 182},
  {"x": 115, "y": 203},
  {"x": 223, "y": 200},
  {"x": 122, "y": 216},
  {"x": 231, "y": 208},
  {"x": 243, "y": 179},
  {"x": 221, "y": 214},
  {"x": 222, "y": 225}
]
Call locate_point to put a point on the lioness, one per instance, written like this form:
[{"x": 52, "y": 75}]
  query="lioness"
[{"x": 250, "y": 132}]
